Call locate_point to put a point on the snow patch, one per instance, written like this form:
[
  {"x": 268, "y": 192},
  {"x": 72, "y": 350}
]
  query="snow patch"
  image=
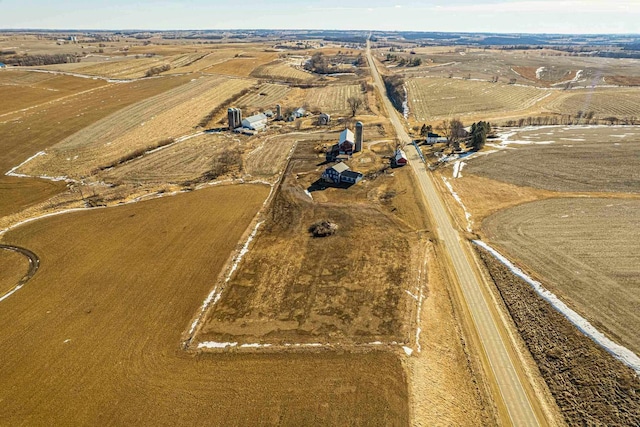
[
  {"x": 457, "y": 169},
  {"x": 459, "y": 200},
  {"x": 308, "y": 194},
  {"x": 539, "y": 72},
  {"x": 213, "y": 344},
  {"x": 408, "y": 350},
  {"x": 621, "y": 353}
]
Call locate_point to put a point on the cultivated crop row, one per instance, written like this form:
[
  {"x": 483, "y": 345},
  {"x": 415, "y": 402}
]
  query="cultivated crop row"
[
  {"x": 265, "y": 96},
  {"x": 434, "y": 98},
  {"x": 333, "y": 99}
]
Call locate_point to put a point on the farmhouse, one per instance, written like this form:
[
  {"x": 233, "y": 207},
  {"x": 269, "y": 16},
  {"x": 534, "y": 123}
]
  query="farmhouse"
[
  {"x": 399, "y": 158},
  {"x": 432, "y": 138},
  {"x": 340, "y": 173},
  {"x": 257, "y": 122}
]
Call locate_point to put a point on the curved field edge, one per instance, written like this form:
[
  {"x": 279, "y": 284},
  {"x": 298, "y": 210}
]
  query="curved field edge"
[
  {"x": 585, "y": 250},
  {"x": 590, "y": 386},
  {"x": 116, "y": 289},
  {"x": 14, "y": 266}
]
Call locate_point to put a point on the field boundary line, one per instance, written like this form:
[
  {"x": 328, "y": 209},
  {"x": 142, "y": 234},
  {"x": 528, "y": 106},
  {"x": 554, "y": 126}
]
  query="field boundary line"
[
  {"x": 34, "y": 264},
  {"x": 234, "y": 260},
  {"x": 618, "y": 351}
]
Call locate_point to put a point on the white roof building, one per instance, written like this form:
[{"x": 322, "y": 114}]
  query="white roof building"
[
  {"x": 257, "y": 122},
  {"x": 346, "y": 135}
]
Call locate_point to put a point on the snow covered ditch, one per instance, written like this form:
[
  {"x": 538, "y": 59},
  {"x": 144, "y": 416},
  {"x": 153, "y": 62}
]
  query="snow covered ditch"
[
  {"x": 621, "y": 353},
  {"x": 459, "y": 200}
]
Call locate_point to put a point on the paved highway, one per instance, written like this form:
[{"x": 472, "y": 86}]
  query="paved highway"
[{"x": 513, "y": 394}]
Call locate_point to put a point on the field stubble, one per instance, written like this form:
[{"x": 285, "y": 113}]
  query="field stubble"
[{"x": 102, "y": 320}]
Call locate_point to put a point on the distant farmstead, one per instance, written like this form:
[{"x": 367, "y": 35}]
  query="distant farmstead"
[
  {"x": 257, "y": 122},
  {"x": 341, "y": 173}
]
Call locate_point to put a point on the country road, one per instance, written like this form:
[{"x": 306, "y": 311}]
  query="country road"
[{"x": 516, "y": 402}]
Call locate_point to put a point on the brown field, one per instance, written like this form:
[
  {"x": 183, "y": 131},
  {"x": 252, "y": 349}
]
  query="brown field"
[
  {"x": 171, "y": 114},
  {"x": 22, "y": 89},
  {"x": 265, "y": 96},
  {"x": 184, "y": 161},
  {"x": 322, "y": 290},
  {"x": 243, "y": 65},
  {"x": 14, "y": 267},
  {"x": 128, "y": 67},
  {"x": 266, "y": 159},
  {"x": 103, "y": 344},
  {"x": 281, "y": 70},
  {"x": 602, "y": 159},
  {"x": 586, "y": 250},
  {"x": 485, "y": 64},
  {"x": 333, "y": 99},
  {"x": 433, "y": 98},
  {"x": 589, "y": 386},
  {"x": 604, "y": 102},
  {"x": 26, "y": 133}
]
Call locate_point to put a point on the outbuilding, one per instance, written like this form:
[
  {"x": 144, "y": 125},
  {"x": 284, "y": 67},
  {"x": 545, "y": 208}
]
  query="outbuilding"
[
  {"x": 346, "y": 142},
  {"x": 400, "y": 158},
  {"x": 324, "y": 119},
  {"x": 257, "y": 122},
  {"x": 2, "y": 65}
]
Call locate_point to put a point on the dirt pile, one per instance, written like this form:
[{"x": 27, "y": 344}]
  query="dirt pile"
[{"x": 323, "y": 229}]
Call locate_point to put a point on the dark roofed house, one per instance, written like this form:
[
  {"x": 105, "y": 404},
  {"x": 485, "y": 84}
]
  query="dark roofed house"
[{"x": 340, "y": 173}]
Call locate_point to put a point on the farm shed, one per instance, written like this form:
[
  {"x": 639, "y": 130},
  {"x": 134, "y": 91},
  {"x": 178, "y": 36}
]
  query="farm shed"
[
  {"x": 299, "y": 112},
  {"x": 257, "y": 122},
  {"x": 340, "y": 173},
  {"x": 400, "y": 158},
  {"x": 324, "y": 119}
]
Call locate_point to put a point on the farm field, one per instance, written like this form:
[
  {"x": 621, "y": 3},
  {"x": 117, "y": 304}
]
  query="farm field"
[
  {"x": 620, "y": 103},
  {"x": 114, "y": 333},
  {"x": 540, "y": 67},
  {"x": 14, "y": 267},
  {"x": 25, "y": 133},
  {"x": 589, "y": 386},
  {"x": 568, "y": 159},
  {"x": 22, "y": 89},
  {"x": 127, "y": 67},
  {"x": 321, "y": 290},
  {"x": 266, "y": 96},
  {"x": 433, "y": 98},
  {"x": 586, "y": 250},
  {"x": 243, "y": 65},
  {"x": 141, "y": 126},
  {"x": 185, "y": 161},
  {"x": 333, "y": 98},
  {"x": 281, "y": 70}
]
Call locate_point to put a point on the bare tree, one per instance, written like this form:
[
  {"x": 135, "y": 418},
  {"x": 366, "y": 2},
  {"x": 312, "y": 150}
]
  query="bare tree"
[
  {"x": 354, "y": 103},
  {"x": 453, "y": 130}
]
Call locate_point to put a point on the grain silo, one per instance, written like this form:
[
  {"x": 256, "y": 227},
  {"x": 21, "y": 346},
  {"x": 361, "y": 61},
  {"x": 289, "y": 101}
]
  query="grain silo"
[
  {"x": 358, "y": 138},
  {"x": 231, "y": 116}
]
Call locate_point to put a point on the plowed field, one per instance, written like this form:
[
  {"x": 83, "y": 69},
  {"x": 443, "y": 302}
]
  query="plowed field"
[
  {"x": 562, "y": 158},
  {"x": 94, "y": 337},
  {"x": 585, "y": 250},
  {"x": 333, "y": 99}
]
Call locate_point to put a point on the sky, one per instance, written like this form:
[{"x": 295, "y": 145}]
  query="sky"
[{"x": 501, "y": 16}]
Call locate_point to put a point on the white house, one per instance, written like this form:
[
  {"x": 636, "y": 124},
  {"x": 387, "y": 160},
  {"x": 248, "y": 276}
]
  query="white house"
[{"x": 257, "y": 122}]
